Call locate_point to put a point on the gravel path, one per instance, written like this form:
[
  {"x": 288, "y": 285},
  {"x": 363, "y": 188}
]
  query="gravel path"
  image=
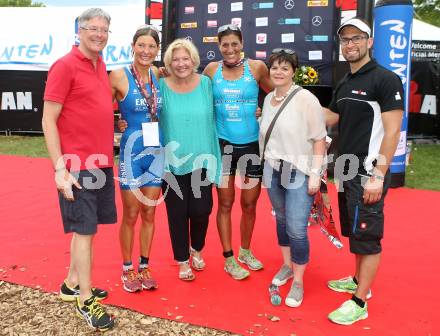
[{"x": 25, "y": 311}]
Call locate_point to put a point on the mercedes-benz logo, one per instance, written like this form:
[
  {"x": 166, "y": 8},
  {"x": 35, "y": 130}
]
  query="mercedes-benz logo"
[
  {"x": 210, "y": 55},
  {"x": 289, "y": 4},
  {"x": 189, "y": 38},
  {"x": 317, "y": 20}
]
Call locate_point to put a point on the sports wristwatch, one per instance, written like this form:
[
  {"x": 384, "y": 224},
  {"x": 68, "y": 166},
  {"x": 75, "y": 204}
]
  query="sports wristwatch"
[{"x": 316, "y": 171}]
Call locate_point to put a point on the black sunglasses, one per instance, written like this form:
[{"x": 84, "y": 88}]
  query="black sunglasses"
[
  {"x": 226, "y": 27},
  {"x": 283, "y": 50}
]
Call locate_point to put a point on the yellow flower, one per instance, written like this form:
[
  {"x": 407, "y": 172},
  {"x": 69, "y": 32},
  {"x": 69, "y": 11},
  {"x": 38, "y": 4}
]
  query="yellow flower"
[
  {"x": 306, "y": 75},
  {"x": 312, "y": 73}
]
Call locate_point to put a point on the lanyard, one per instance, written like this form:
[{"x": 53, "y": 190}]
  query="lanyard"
[{"x": 150, "y": 100}]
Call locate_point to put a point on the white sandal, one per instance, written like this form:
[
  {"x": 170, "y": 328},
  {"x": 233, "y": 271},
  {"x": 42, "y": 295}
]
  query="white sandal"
[
  {"x": 187, "y": 275},
  {"x": 197, "y": 262}
]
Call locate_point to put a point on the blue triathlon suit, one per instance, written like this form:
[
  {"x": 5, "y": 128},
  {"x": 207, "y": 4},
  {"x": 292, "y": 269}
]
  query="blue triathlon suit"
[
  {"x": 235, "y": 103},
  {"x": 139, "y": 166}
]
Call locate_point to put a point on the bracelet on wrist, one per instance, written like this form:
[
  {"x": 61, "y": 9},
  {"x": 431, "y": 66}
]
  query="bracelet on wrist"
[{"x": 379, "y": 177}]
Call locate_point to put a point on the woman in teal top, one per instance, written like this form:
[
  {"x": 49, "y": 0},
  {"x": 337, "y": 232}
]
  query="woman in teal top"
[
  {"x": 192, "y": 154},
  {"x": 236, "y": 81}
]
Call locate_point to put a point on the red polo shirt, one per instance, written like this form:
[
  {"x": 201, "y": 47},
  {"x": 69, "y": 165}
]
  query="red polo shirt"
[{"x": 85, "y": 124}]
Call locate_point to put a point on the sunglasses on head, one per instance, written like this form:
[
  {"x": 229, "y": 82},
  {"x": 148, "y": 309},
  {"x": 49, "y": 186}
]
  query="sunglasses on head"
[
  {"x": 147, "y": 26},
  {"x": 283, "y": 50},
  {"x": 231, "y": 26}
]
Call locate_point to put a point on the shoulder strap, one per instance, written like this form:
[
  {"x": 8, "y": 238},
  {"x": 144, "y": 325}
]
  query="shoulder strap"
[
  {"x": 218, "y": 71},
  {"x": 247, "y": 66},
  {"x": 272, "y": 124},
  {"x": 128, "y": 73}
]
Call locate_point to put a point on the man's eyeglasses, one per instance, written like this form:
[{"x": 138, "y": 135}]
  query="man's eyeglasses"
[
  {"x": 283, "y": 50},
  {"x": 357, "y": 39},
  {"x": 96, "y": 30},
  {"x": 223, "y": 28}
]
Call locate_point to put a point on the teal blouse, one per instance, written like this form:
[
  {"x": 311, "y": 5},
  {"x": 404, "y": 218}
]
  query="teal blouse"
[{"x": 188, "y": 125}]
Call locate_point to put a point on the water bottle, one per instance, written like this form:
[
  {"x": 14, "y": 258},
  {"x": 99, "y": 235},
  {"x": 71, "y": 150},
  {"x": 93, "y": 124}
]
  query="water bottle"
[{"x": 274, "y": 293}]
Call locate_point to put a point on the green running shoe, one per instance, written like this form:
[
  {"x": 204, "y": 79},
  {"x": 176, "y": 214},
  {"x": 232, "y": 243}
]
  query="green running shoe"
[
  {"x": 69, "y": 294},
  {"x": 235, "y": 270},
  {"x": 346, "y": 285},
  {"x": 246, "y": 257},
  {"x": 94, "y": 314},
  {"x": 348, "y": 313}
]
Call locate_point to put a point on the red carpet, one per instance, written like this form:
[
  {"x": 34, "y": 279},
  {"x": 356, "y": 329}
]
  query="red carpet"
[{"x": 34, "y": 252}]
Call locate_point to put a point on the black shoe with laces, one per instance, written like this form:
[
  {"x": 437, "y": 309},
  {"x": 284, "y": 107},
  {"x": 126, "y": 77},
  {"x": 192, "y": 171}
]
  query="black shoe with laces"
[
  {"x": 94, "y": 314},
  {"x": 70, "y": 294}
]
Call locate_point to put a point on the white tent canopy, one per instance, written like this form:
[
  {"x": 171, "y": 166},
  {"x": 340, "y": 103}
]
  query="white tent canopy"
[{"x": 423, "y": 31}]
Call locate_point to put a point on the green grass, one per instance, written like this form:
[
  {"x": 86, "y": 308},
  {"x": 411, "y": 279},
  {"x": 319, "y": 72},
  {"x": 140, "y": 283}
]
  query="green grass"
[
  {"x": 422, "y": 173},
  {"x": 33, "y": 146},
  {"x": 30, "y": 145},
  {"x": 424, "y": 168}
]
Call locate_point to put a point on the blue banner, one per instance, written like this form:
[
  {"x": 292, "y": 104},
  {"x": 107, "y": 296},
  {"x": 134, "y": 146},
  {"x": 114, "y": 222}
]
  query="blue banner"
[{"x": 392, "y": 49}]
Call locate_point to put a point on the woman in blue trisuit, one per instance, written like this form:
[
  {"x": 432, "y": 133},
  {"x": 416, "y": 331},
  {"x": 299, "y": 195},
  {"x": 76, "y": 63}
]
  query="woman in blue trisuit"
[{"x": 141, "y": 154}]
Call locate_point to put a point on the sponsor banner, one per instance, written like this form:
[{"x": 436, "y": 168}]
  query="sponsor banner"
[
  {"x": 236, "y": 21},
  {"x": 424, "y": 100},
  {"x": 318, "y": 3},
  {"x": 346, "y": 4},
  {"x": 261, "y": 21},
  {"x": 289, "y": 21},
  {"x": 261, "y": 55},
  {"x": 41, "y": 35},
  {"x": 425, "y": 51},
  {"x": 189, "y": 10},
  {"x": 21, "y": 96},
  {"x": 155, "y": 10},
  {"x": 392, "y": 32},
  {"x": 188, "y": 25},
  {"x": 236, "y": 6},
  {"x": 210, "y": 39},
  {"x": 261, "y": 38},
  {"x": 212, "y": 8},
  {"x": 211, "y": 23},
  {"x": 305, "y": 26}
]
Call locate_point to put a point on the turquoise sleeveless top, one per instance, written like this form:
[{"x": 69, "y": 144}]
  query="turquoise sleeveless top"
[
  {"x": 235, "y": 103},
  {"x": 188, "y": 127}
]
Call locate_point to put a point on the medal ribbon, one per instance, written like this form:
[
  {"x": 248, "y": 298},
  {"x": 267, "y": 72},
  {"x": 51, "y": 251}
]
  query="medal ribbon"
[{"x": 150, "y": 100}]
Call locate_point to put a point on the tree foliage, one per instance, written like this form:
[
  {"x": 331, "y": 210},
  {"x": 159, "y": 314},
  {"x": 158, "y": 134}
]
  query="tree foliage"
[
  {"x": 427, "y": 11},
  {"x": 20, "y": 3}
]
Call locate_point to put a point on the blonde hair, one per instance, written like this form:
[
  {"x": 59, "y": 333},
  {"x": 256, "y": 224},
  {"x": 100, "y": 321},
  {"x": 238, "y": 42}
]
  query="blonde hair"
[{"x": 184, "y": 44}]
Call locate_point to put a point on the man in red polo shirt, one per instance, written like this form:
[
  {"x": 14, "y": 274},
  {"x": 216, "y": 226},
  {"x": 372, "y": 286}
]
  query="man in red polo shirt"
[{"x": 78, "y": 128}]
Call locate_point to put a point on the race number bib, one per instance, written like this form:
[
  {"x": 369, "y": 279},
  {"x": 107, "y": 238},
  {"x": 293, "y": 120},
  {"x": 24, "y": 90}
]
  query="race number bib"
[{"x": 150, "y": 134}]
